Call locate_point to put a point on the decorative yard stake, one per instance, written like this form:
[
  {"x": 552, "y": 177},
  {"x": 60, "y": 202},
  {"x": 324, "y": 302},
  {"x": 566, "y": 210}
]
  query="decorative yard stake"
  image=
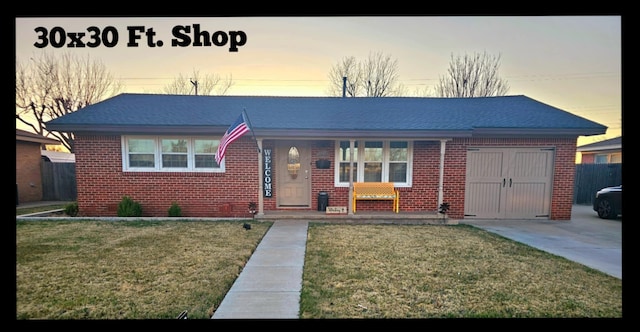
[
  {"x": 252, "y": 209},
  {"x": 183, "y": 315}
]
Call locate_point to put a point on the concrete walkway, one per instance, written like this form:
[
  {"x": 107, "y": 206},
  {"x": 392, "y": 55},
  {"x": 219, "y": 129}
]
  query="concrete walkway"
[{"x": 269, "y": 286}]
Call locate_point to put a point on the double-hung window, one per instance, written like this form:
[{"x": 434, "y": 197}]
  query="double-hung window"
[
  {"x": 170, "y": 154},
  {"x": 140, "y": 153},
  {"x": 374, "y": 161},
  {"x": 174, "y": 153}
]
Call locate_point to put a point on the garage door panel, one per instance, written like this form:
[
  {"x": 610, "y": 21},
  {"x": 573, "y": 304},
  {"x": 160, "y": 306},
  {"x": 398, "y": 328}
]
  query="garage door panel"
[
  {"x": 480, "y": 200},
  {"x": 530, "y": 165},
  {"x": 525, "y": 200},
  {"x": 489, "y": 164},
  {"x": 508, "y": 183}
]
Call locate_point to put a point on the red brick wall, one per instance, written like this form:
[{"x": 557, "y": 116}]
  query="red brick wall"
[
  {"x": 563, "y": 179},
  {"x": 423, "y": 194},
  {"x": 101, "y": 182},
  {"x": 28, "y": 172}
]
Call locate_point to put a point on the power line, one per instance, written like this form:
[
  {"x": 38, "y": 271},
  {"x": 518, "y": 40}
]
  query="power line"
[{"x": 410, "y": 81}]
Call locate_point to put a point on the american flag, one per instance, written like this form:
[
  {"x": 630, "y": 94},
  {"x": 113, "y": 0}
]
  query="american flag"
[{"x": 234, "y": 132}]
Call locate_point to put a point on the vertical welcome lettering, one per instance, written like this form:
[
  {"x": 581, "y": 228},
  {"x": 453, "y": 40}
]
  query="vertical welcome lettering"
[{"x": 268, "y": 189}]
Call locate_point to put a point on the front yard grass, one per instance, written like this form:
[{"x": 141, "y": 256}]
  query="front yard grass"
[
  {"x": 82, "y": 269},
  {"x": 85, "y": 269},
  {"x": 444, "y": 271}
]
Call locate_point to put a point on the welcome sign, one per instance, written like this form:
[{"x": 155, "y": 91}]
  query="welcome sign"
[{"x": 266, "y": 173}]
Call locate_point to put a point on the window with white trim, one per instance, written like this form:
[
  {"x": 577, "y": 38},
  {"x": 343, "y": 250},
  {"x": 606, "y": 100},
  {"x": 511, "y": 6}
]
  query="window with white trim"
[
  {"x": 379, "y": 161},
  {"x": 170, "y": 154}
]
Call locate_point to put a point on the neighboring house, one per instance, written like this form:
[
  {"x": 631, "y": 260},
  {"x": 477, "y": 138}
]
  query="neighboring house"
[
  {"x": 604, "y": 152},
  {"x": 493, "y": 157},
  {"x": 28, "y": 159}
]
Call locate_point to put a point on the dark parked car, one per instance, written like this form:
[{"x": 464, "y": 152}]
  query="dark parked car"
[{"x": 608, "y": 202}]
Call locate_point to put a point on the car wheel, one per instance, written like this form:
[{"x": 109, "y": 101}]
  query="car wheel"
[{"x": 606, "y": 210}]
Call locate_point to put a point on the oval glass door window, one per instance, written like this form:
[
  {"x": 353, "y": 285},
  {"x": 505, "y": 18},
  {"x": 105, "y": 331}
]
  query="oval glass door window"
[{"x": 293, "y": 162}]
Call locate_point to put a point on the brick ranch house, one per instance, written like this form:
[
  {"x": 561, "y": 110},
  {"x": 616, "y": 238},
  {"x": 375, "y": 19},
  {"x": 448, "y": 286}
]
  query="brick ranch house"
[{"x": 489, "y": 157}]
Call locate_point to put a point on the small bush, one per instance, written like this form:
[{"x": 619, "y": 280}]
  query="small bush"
[
  {"x": 129, "y": 208},
  {"x": 71, "y": 209},
  {"x": 175, "y": 210}
]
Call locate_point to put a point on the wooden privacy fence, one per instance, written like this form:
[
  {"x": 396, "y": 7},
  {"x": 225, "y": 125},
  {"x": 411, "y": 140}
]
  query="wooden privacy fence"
[
  {"x": 58, "y": 181},
  {"x": 592, "y": 177}
]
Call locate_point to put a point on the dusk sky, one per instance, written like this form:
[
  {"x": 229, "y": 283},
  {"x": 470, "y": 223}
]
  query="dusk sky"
[{"x": 570, "y": 62}]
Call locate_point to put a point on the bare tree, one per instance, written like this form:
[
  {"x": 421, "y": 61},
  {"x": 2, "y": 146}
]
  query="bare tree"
[
  {"x": 472, "y": 76},
  {"x": 377, "y": 76},
  {"x": 48, "y": 87},
  {"x": 380, "y": 74},
  {"x": 210, "y": 84},
  {"x": 350, "y": 69}
]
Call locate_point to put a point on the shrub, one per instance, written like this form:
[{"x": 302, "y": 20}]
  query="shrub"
[
  {"x": 129, "y": 208},
  {"x": 175, "y": 210},
  {"x": 71, "y": 209}
]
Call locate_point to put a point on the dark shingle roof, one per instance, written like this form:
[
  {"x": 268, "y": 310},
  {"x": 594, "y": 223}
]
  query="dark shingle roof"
[
  {"x": 506, "y": 115},
  {"x": 607, "y": 144}
]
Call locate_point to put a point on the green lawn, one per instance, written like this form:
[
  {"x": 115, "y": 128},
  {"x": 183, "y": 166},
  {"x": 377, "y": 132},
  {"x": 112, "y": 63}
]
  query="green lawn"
[{"x": 85, "y": 269}]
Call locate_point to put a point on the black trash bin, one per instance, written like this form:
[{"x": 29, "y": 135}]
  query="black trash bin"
[{"x": 323, "y": 201}]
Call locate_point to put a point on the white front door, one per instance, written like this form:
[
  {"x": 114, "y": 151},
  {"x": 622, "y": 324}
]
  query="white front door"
[{"x": 293, "y": 175}]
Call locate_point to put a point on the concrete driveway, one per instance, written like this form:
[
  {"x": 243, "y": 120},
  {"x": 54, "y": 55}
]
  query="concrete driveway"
[{"x": 585, "y": 238}]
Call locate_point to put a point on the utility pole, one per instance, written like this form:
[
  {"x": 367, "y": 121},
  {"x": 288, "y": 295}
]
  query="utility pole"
[{"x": 195, "y": 84}]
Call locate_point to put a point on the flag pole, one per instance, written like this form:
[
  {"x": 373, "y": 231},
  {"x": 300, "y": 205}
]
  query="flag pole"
[{"x": 246, "y": 118}]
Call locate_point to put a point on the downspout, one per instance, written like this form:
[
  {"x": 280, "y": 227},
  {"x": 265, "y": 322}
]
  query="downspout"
[
  {"x": 351, "y": 145},
  {"x": 349, "y": 204},
  {"x": 443, "y": 144},
  {"x": 261, "y": 179}
]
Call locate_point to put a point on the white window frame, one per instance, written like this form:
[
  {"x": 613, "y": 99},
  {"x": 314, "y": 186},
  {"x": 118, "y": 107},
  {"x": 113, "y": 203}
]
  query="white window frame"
[
  {"x": 189, "y": 155},
  {"x": 386, "y": 150},
  {"x": 158, "y": 155}
]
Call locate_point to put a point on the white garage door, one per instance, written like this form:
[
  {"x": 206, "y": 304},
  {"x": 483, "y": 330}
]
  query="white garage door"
[{"x": 508, "y": 183}]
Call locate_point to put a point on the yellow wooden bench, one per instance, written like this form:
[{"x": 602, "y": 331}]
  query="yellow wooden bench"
[{"x": 376, "y": 191}]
